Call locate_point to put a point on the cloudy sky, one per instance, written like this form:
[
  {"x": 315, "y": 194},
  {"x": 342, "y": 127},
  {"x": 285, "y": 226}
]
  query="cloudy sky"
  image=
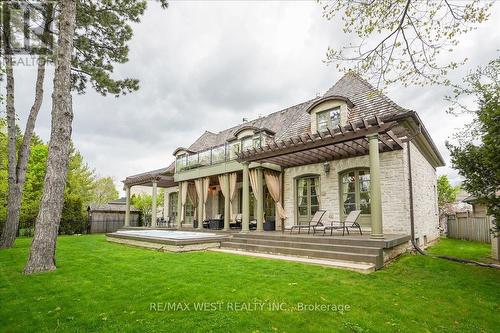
[{"x": 205, "y": 67}]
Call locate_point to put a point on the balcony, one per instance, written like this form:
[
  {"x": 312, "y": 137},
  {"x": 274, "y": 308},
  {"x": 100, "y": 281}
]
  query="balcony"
[{"x": 215, "y": 155}]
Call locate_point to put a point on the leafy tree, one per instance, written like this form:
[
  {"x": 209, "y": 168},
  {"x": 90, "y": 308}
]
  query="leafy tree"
[
  {"x": 73, "y": 218},
  {"x": 80, "y": 181},
  {"x": 144, "y": 202},
  {"x": 446, "y": 192},
  {"x": 18, "y": 156},
  {"x": 475, "y": 152},
  {"x": 400, "y": 40},
  {"x": 43, "y": 247},
  {"x": 102, "y": 30},
  {"x": 104, "y": 191}
]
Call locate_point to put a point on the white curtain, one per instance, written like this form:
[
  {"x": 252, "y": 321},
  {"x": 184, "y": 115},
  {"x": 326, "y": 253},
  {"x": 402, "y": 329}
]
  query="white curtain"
[
  {"x": 232, "y": 191},
  {"x": 183, "y": 189},
  {"x": 198, "y": 184},
  {"x": 253, "y": 182},
  {"x": 224, "y": 187},
  {"x": 274, "y": 188},
  {"x": 206, "y": 187},
  {"x": 193, "y": 196}
]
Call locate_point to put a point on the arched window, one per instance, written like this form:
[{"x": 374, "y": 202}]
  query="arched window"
[
  {"x": 307, "y": 197},
  {"x": 355, "y": 191}
]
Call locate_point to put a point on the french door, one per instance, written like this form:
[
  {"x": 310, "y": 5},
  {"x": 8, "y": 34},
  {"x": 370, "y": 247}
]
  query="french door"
[{"x": 307, "y": 198}]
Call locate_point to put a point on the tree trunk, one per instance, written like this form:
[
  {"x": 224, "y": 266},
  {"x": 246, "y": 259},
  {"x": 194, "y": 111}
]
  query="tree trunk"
[
  {"x": 42, "y": 252},
  {"x": 10, "y": 229},
  {"x": 18, "y": 169}
]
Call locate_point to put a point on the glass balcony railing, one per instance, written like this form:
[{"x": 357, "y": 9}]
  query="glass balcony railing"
[{"x": 215, "y": 155}]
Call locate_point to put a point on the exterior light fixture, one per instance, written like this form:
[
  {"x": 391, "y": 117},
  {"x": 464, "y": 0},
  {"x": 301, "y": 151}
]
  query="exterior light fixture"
[{"x": 326, "y": 167}]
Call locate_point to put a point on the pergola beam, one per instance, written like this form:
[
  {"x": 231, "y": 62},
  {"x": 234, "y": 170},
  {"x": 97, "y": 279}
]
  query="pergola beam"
[{"x": 345, "y": 138}]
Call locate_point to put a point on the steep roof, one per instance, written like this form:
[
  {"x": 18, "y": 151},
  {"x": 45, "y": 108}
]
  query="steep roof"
[
  {"x": 367, "y": 100},
  {"x": 295, "y": 120}
]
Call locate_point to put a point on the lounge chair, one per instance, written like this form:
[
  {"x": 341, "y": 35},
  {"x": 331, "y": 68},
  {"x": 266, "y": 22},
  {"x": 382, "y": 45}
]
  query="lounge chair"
[
  {"x": 351, "y": 221},
  {"x": 314, "y": 222}
]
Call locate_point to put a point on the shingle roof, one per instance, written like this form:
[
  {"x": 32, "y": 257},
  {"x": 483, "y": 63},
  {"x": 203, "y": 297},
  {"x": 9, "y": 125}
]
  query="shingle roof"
[
  {"x": 294, "y": 120},
  {"x": 110, "y": 208},
  {"x": 367, "y": 100}
]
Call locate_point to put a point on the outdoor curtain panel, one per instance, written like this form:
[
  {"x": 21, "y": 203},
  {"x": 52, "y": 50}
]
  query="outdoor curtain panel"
[
  {"x": 274, "y": 187},
  {"x": 232, "y": 191},
  {"x": 193, "y": 196},
  {"x": 198, "y": 185},
  {"x": 183, "y": 189},
  {"x": 253, "y": 183},
  {"x": 224, "y": 187},
  {"x": 206, "y": 187}
]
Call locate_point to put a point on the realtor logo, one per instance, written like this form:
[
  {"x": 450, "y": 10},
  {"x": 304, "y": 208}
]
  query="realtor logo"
[{"x": 27, "y": 27}]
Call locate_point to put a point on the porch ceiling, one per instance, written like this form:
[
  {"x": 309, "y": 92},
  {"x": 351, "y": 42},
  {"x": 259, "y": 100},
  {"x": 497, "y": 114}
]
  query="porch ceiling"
[{"x": 341, "y": 142}]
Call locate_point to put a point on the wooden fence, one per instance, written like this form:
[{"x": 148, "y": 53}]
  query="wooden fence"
[{"x": 469, "y": 228}]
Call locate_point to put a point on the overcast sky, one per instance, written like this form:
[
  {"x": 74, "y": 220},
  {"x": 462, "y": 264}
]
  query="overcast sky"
[{"x": 206, "y": 66}]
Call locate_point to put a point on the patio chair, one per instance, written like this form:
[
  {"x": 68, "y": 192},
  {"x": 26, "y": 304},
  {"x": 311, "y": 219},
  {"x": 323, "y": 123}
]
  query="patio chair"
[
  {"x": 314, "y": 222},
  {"x": 217, "y": 223},
  {"x": 236, "y": 222},
  {"x": 351, "y": 221}
]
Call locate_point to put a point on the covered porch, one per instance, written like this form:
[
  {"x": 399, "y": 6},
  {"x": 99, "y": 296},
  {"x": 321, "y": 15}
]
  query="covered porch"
[{"x": 160, "y": 178}]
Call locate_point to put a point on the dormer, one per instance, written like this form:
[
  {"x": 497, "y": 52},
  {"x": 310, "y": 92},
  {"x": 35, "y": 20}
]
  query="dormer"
[
  {"x": 329, "y": 112},
  {"x": 182, "y": 151}
]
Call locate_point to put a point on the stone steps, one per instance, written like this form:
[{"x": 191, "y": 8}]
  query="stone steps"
[
  {"x": 305, "y": 250},
  {"x": 340, "y": 264},
  {"x": 318, "y": 239},
  {"x": 307, "y": 244}
]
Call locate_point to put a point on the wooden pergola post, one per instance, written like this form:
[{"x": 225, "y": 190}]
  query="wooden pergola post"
[
  {"x": 127, "y": 206},
  {"x": 245, "y": 211},
  {"x": 376, "y": 193}
]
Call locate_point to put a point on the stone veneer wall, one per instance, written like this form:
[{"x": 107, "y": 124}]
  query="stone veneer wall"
[
  {"x": 424, "y": 197},
  {"x": 394, "y": 186}
]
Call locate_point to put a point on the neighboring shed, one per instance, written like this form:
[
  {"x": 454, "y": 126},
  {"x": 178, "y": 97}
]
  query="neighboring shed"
[{"x": 110, "y": 217}]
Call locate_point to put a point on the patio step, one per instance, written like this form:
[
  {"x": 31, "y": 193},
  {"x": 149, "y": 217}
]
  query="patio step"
[
  {"x": 307, "y": 244},
  {"x": 309, "y": 238},
  {"x": 341, "y": 264},
  {"x": 304, "y": 251}
]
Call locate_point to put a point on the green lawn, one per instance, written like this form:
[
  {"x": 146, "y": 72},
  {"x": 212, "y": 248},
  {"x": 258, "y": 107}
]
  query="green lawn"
[
  {"x": 463, "y": 249},
  {"x": 109, "y": 288}
]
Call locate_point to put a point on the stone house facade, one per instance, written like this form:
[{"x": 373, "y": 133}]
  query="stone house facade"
[{"x": 350, "y": 149}]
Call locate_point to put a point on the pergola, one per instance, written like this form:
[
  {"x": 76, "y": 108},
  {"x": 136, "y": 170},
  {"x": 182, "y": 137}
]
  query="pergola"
[
  {"x": 155, "y": 178},
  {"x": 365, "y": 137}
]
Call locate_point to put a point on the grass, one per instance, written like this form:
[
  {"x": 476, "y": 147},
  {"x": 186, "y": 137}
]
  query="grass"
[
  {"x": 104, "y": 287},
  {"x": 463, "y": 249}
]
